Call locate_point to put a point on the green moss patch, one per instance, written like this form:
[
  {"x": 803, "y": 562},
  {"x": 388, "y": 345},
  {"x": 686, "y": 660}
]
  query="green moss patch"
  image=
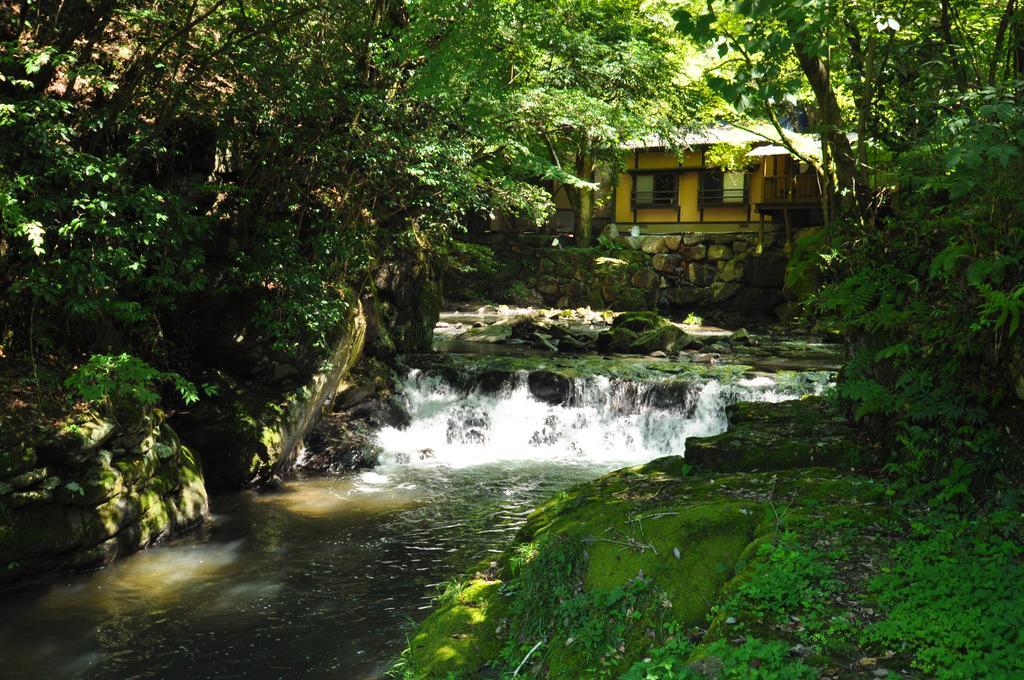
[
  {"x": 608, "y": 572},
  {"x": 793, "y": 434},
  {"x": 460, "y": 636}
]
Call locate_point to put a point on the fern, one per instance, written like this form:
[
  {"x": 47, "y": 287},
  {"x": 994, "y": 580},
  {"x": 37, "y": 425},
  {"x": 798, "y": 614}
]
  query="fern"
[
  {"x": 1002, "y": 310},
  {"x": 944, "y": 264},
  {"x": 925, "y": 314},
  {"x": 868, "y": 396}
]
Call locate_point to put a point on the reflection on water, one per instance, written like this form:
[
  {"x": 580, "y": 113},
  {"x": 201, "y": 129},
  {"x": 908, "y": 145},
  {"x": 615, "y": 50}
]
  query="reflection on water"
[{"x": 323, "y": 577}]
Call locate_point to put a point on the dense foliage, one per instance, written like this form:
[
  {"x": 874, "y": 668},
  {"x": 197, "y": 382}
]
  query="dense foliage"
[
  {"x": 248, "y": 170},
  {"x": 934, "y": 297},
  {"x": 952, "y": 599},
  {"x": 943, "y": 600},
  {"x": 268, "y": 156},
  {"x": 919, "y": 110}
]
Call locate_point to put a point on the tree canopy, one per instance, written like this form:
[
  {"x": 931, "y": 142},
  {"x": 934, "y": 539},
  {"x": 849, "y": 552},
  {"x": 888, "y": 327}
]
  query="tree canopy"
[
  {"x": 154, "y": 153},
  {"x": 918, "y": 105}
]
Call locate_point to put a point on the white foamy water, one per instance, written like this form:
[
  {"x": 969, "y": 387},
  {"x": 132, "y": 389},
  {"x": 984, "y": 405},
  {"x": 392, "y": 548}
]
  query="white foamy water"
[{"x": 604, "y": 422}]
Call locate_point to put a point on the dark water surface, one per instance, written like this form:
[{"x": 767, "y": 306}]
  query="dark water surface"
[{"x": 317, "y": 580}]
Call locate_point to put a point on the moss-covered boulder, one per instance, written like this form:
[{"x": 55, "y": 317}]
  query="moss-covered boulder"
[
  {"x": 791, "y": 434},
  {"x": 640, "y": 322},
  {"x": 461, "y": 637},
  {"x": 667, "y": 339},
  {"x": 410, "y": 295},
  {"x": 97, "y": 490},
  {"x": 643, "y": 333},
  {"x": 238, "y": 435},
  {"x": 492, "y": 333},
  {"x": 621, "y": 340},
  {"x": 611, "y": 569}
]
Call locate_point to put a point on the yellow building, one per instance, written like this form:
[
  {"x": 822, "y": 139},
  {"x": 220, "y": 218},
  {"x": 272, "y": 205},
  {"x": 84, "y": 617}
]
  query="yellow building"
[{"x": 664, "y": 191}]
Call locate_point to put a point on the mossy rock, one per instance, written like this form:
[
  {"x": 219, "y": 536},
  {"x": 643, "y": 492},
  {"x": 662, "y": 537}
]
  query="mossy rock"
[
  {"x": 251, "y": 430},
  {"x": 461, "y": 635},
  {"x": 98, "y": 484},
  {"x": 81, "y": 435},
  {"x": 493, "y": 333},
  {"x": 792, "y": 434},
  {"x": 604, "y": 571},
  {"x": 238, "y": 435},
  {"x": 640, "y": 322},
  {"x": 667, "y": 338},
  {"x": 16, "y": 459},
  {"x": 70, "y": 517},
  {"x": 620, "y": 340},
  {"x": 642, "y": 333},
  {"x": 628, "y": 298},
  {"x": 490, "y": 373}
]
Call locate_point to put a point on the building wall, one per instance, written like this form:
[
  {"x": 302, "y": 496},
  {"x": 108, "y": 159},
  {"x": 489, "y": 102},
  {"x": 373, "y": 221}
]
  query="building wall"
[{"x": 665, "y": 220}]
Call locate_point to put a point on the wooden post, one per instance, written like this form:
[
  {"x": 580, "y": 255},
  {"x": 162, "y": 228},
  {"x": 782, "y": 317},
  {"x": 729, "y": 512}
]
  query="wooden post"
[{"x": 789, "y": 233}]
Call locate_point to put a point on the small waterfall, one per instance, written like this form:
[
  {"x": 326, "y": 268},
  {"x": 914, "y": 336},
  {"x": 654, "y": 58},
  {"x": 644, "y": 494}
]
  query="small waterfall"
[{"x": 541, "y": 416}]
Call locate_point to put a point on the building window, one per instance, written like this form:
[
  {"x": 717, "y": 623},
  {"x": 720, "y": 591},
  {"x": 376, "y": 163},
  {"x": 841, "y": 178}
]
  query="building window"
[
  {"x": 655, "y": 190},
  {"x": 719, "y": 187}
]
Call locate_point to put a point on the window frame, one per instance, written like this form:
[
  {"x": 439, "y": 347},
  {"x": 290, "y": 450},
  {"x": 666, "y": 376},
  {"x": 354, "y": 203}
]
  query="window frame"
[
  {"x": 716, "y": 198},
  {"x": 671, "y": 203}
]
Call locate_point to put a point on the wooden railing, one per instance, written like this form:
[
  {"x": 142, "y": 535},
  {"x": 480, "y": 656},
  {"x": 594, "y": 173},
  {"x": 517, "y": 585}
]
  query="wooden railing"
[
  {"x": 791, "y": 189},
  {"x": 656, "y": 198},
  {"x": 712, "y": 191}
]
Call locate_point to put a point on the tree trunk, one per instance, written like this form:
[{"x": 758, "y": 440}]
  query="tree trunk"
[
  {"x": 850, "y": 180},
  {"x": 999, "y": 55},
  {"x": 946, "y": 23},
  {"x": 584, "y": 227}
]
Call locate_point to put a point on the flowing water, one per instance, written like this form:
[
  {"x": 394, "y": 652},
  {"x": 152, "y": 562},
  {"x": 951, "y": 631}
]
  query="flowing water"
[{"x": 324, "y": 577}]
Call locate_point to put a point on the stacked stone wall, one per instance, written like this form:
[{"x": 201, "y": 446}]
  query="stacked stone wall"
[{"x": 683, "y": 272}]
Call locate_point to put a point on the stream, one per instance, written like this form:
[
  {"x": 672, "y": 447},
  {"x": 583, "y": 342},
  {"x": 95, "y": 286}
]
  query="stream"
[{"x": 326, "y": 576}]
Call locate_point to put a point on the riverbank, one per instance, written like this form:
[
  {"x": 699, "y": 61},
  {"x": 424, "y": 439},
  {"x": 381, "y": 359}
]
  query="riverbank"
[
  {"x": 92, "y": 473},
  {"x": 822, "y": 570},
  {"x": 106, "y": 478},
  {"x": 671, "y": 570}
]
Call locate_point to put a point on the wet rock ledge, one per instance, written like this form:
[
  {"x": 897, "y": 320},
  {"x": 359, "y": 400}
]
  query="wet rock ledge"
[
  {"x": 98, "y": 490},
  {"x": 765, "y": 436}
]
